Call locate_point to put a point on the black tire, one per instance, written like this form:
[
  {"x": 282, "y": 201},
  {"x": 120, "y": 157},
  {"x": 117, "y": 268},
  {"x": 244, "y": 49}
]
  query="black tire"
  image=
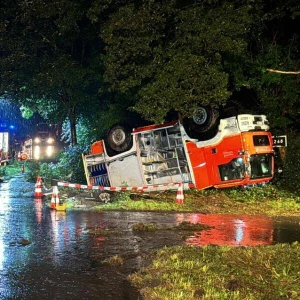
[
  {"x": 204, "y": 120},
  {"x": 118, "y": 139}
]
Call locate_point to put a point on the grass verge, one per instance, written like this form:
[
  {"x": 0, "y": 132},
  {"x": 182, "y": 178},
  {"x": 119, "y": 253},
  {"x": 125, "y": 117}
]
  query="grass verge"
[
  {"x": 11, "y": 170},
  {"x": 267, "y": 200},
  {"x": 213, "y": 272}
]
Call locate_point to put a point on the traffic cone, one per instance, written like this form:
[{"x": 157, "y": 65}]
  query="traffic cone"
[
  {"x": 38, "y": 193},
  {"x": 179, "y": 196},
  {"x": 54, "y": 198}
]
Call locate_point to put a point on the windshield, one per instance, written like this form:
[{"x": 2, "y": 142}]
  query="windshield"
[
  {"x": 42, "y": 127},
  {"x": 233, "y": 170},
  {"x": 261, "y": 140},
  {"x": 261, "y": 165}
]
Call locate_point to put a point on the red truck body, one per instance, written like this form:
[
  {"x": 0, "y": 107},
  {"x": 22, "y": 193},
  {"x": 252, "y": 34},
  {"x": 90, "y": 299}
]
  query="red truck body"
[{"x": 240, "y": 154}]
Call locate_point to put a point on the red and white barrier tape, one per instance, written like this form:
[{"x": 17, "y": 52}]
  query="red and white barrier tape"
[{"x": 120, "y": 188}]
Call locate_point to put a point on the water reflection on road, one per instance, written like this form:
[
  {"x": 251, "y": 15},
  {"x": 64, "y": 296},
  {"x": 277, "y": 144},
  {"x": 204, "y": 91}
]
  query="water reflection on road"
[
  {"x": 232, "y": 230},
  {"x": 64, "y": 260}
]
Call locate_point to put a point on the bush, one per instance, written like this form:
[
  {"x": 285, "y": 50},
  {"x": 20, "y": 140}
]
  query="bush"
[
  {"x": 291, "y": 175},
  {"x": 32, "y": 170},
  {"x": 2, "y": 172},
  {"x": 69, "y": 167}
]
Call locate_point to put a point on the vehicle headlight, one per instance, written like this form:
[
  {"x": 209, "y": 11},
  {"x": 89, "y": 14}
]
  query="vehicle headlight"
[
  {"x": 37, "y": 140},
  {"x": 49, "y": 151},
  {"x": 50, "y": 140},
  {"x": 36, "y": 152}
]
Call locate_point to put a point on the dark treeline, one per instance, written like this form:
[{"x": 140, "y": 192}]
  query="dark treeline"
[{"x": 97, "y": 62}]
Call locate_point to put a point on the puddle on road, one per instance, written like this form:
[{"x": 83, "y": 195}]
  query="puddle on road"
[
  {"x": 243, "y": 230},
  {"x": 232, "y": 230}
]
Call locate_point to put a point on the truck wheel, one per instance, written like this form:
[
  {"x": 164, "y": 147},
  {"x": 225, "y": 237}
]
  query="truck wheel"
[
  {"x": 118, "y": 139},
  {"x": 203, "y": 120}
]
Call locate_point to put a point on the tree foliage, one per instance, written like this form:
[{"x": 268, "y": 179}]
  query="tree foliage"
[
  {"x": 173, "y": 56},
  {"x": 48, "y": 57},
  {"x": 96, "y": 61},
  {"x": 278, "y": 48}
]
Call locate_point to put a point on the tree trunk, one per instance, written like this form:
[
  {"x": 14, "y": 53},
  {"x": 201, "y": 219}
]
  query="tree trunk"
[{"x": 73, "y": 126}]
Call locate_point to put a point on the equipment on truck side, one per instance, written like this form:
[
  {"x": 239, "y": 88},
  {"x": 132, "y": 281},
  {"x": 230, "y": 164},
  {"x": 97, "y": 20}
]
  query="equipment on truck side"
[{"x": 240, "y": 154}]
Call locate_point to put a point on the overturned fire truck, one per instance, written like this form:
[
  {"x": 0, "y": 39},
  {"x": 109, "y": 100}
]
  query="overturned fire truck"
[{"x": 240, "y": 154}]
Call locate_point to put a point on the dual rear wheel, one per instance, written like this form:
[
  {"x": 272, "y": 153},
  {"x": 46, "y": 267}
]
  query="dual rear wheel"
[
  {"x": 202, "y": 124},
  {"x": 118, "y": 139}
]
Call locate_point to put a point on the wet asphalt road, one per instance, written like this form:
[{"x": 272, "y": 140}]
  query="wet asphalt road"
[
  {"x": 54, "y": 255},
  {"x": 47, "y": 254}
]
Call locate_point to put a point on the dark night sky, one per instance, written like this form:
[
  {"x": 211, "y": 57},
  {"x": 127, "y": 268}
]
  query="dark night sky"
[{"x": 10, "y": 115}]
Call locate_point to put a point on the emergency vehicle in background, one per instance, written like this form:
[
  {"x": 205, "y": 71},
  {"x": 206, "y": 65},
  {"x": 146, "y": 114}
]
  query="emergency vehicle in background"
[
  {"x": 4, "y": 147},
  {"x": 42, "y": 146},
  {"x": 240, "y": 154}
]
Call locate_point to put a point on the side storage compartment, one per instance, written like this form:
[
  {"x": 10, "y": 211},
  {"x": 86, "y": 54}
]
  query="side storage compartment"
[
  {"x": 162, "y": 156},
  {"x": 98, "y": 175},
  {"x": 125, "y": 171},
  {"x": 95, "y": 170}
]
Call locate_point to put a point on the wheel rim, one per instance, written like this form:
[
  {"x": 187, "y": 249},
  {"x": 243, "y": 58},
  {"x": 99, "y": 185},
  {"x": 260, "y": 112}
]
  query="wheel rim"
[
  {"x": 118, "y": 137},
  {"x": 200, "y": 116}
]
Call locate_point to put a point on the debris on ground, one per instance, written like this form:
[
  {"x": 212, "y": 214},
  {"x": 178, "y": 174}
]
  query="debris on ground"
[{"x": 24, "y": 242}]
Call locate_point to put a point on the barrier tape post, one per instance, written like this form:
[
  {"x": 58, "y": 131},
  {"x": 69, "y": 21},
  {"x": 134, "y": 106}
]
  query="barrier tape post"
[
  {"x": 38, "y": 193},
  {"x": 180, "y": 197},
  {"x": 54, "y": 197}
]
